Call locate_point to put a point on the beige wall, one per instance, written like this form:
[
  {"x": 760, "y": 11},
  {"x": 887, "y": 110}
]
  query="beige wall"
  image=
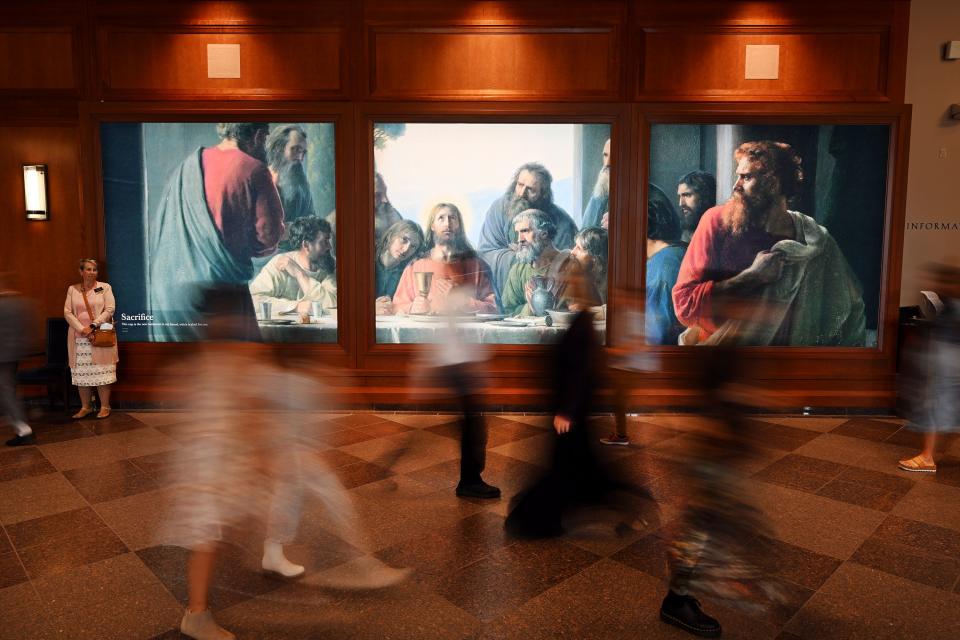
[{"x": 933, "y": 187}]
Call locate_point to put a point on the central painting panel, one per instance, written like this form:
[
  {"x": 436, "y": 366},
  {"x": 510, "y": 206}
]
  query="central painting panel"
[{"x": 500, "y": 227}]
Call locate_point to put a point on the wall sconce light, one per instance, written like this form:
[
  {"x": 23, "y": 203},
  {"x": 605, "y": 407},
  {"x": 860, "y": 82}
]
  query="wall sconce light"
[{"x": 35, "y": 191}]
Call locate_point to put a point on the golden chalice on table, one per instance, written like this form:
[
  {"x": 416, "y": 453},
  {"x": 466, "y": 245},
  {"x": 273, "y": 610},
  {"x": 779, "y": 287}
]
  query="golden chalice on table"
[{"x": 424, "y": 280}]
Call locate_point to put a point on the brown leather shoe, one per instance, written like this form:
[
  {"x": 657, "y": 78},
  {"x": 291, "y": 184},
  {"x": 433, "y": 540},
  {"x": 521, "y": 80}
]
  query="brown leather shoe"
[
  {"x": 104, "y": 413},
  {"x": 83, "y": 413}
]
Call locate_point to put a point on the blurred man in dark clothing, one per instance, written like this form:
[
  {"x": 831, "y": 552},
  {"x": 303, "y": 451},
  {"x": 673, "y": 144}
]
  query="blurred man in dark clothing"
[
  {"x": 719, "y": 535},
  {"x": 455, "y": 363}
]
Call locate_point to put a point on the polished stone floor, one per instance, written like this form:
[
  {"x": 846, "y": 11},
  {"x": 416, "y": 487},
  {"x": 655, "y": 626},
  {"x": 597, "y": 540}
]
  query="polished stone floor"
[{"x": 864, "y": 551}]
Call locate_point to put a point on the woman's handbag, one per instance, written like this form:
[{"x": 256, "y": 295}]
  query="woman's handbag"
[
  {"x": 104, "y": 338},
  {"x": 100, "y": 337}
]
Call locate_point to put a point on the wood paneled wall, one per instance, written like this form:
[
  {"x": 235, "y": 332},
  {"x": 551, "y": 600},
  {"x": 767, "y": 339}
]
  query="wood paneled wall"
[
  {"x": 616, "y": 50},
  {"x": 64, "y": 64},
  {"x": 456, "y": 63},
  {"x": 39, "y": 59},
  {"x": 678, "y": 65},
  {"x": 146, "y": 64},
  {"x": 495, "y": 50},
  {"x": 829, "y": 51},
  {"x": 44, "y": 254}
]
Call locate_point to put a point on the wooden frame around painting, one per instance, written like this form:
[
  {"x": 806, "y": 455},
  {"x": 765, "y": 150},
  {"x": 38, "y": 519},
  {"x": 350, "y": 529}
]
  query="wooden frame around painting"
[
  {"x": 375, "y": 373},
  {"x": 803, "y": 375},
  {"x": 514, "y": 360},
  {"x": 140, "y": 361}
]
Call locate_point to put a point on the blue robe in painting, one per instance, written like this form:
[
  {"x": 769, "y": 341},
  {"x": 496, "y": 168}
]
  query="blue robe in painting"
[
  {"x": 186, "y": 253},
  {"x": 661, "y": 324}
]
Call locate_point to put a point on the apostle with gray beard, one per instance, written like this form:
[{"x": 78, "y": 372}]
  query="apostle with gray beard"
[
  {"x": 529, "y": 189},
  {"x": 537, "y": 256},
  {"x": 597, "y": 213},
  {"x": 286, "y": 151}
]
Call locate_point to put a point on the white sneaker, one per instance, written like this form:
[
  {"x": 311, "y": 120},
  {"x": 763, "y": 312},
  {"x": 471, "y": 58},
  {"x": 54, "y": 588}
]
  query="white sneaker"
[
  {"x": 201, "y": 626},
  {"x": 275, "y": 562}
]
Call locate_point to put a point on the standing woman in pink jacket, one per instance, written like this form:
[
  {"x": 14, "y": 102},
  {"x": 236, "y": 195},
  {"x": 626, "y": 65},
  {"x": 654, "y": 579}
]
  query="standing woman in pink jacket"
[{"x": 90, "y": 304}]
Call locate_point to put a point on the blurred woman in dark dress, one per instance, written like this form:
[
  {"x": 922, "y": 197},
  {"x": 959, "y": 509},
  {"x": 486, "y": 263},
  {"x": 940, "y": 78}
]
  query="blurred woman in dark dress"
[{"x": 576, "y": 476}]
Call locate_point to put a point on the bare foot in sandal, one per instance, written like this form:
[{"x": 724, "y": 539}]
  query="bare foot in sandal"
[{"x": 918, "y": 464}]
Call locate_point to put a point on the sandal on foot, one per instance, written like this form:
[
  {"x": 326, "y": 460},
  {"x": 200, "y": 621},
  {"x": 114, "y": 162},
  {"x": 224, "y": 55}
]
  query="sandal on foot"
[
  {"x": 83, "y": 413},
  {"x": 917, "y": 465},
  {"x": 202, "y": 626},
  {"x": 104, "y": 413}
]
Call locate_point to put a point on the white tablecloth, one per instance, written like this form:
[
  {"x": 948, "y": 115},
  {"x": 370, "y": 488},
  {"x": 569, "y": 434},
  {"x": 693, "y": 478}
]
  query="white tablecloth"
[
  {"x": 404, "y": 330},
  {"x": 401, "y": 330},
  {"x": 322, "y": 330}
]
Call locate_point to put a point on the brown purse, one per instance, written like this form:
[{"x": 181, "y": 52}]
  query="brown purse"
[{"x": 99, "y": 337}]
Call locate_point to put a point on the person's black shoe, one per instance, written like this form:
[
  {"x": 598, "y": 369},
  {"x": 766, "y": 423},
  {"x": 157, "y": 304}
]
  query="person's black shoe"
[
  {"x": 479, "y": 489},
  {"x": 22, "y": 441},
  {"x": 684, "y": 612}
]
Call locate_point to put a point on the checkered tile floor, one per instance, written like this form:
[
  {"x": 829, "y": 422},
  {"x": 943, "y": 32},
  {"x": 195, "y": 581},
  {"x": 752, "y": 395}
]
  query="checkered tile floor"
[{"x": 864, "y": 550}]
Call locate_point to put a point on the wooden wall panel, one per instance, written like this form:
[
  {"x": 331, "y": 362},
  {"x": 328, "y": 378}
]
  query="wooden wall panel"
[
  {"x": 849, "y": 50},
  {"x": 502, "y": 50},
  {"x": 38, "y": 58},
  {"x": 280, "y": 63},
  {"x": 683, "y": 64},
  {"x": 697, "y": 13},
  {"x": 481, "y": 62},
  {"x": 278, "y": 13},
  {"x": 44, "y": 254}
]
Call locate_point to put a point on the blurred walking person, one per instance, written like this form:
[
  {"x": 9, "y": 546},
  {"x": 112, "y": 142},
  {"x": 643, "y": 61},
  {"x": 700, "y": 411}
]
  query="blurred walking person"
[
  {"x": 244, "y": 462},
  {"x": 716, "y": 544},
  {"x": 248, "y": 467},
  {"x": 576, "y": 477},
  {"x": 16, "y": 338},
  {"x": 454, "y": 362},
  {"x": 939, "y": 408}
]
